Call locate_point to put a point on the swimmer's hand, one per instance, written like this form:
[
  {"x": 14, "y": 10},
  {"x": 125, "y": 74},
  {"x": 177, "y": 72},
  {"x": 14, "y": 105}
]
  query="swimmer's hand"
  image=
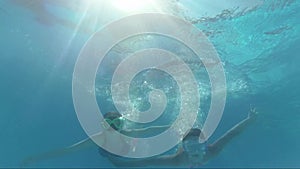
[{"x": 252, "y": 113}]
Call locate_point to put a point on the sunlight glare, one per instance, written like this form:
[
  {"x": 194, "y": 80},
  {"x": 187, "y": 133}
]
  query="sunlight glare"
[{"x": 132, "y": 5}]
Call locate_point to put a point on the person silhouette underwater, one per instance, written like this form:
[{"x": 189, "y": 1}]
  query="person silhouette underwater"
[
  {"x": 114, "y": 122},
  {"x": 189, "y": 152}
]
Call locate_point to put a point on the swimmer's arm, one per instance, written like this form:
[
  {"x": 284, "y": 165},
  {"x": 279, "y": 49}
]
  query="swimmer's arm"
[
  {"x": 147, "y": 130},
  {"x": 172, "y": 156},
  {"x": 214, "y": 148},
  {"x": 86, "y": 143}
]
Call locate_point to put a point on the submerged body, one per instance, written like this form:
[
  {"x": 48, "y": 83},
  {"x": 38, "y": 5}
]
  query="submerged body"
[{"x": 189, "y": 153}]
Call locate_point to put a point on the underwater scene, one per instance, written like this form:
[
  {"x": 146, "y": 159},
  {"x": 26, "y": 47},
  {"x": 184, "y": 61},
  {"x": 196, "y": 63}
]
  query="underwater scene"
[{"x": 149, "y": 84}]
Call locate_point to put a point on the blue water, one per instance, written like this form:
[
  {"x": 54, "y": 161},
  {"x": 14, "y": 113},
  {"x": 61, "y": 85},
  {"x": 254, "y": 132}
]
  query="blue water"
[{"x": 258, "y": 47}]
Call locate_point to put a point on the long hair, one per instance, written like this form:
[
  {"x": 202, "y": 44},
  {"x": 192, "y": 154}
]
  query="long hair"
[{"x": 111, "y": 116}]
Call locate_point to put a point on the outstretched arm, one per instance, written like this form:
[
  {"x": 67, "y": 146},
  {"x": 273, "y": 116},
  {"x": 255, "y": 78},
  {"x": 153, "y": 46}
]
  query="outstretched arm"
[
  {"x": 86, "y": 143},
  {"x": 214, "y": 148},
  {"x": 145, "y": 131}
]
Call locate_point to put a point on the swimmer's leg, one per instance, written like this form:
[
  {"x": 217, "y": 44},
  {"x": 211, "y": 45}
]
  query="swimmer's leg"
[{"x": 84, "y": 144}]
